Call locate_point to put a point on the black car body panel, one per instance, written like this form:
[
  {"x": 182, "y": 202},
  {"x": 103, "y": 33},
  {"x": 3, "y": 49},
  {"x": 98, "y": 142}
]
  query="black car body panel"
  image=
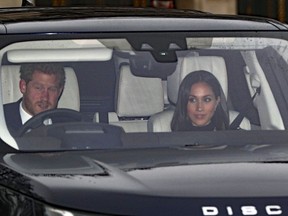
[
  {"x": 65, "y": 178},
  {"x": 89, "y": 20}
]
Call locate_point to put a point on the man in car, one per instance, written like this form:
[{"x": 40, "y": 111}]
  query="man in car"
[{"x": 41, "y": 86}]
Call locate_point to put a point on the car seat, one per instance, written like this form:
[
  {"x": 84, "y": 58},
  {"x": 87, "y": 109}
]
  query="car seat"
[
  {"x": 136, "y": 99},
  {"x": 160, "y": 122},
  {"x": 265, "y": 102}
]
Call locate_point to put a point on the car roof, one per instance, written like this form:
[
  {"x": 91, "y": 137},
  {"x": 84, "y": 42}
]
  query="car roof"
[{"x": 90, "y": 19}]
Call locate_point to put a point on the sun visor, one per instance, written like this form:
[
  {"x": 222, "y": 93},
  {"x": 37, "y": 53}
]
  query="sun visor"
[{"x": 59, "y": 55}]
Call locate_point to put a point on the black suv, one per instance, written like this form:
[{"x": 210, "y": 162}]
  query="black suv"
[{"x": 124, "y": 138}]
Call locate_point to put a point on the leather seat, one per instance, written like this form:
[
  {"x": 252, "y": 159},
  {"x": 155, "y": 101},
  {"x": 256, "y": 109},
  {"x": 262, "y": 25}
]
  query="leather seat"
[
  {"x": 137, "y": 98},
  {"x": 160, "y": 122}
]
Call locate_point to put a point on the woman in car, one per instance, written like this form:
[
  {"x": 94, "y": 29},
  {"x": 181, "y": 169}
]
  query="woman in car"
[{"x": 199, "y": 106}]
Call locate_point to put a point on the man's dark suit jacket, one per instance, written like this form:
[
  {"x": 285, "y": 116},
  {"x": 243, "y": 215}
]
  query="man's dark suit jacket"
[{"x": 12, "y": 116}]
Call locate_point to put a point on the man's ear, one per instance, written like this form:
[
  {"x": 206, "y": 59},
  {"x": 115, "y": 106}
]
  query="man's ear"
[{"x": 22, "y": 86}]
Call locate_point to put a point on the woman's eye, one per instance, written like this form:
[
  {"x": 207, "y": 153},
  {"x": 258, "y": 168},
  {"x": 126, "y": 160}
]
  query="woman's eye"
[
  {"x": 207, "y": 99},
  {"x": 192, "y": 100}
]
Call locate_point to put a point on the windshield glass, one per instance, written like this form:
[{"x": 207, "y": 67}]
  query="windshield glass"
[{"x": 142, "y": 91}]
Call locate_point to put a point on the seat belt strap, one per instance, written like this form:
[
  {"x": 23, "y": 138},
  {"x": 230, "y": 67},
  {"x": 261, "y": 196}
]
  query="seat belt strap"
[
  {"x": 237, "y": 121},
  {"x": 103, "y": 117}
]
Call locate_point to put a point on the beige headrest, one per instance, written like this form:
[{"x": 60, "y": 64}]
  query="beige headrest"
[
  {"x": 214, "y": 64},
  {"x": 138, "y": 96}
]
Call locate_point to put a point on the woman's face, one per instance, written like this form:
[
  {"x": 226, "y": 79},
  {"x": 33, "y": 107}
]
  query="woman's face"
[{"x": 202, "y": 104}]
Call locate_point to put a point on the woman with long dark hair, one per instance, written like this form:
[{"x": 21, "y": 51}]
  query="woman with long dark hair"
[{"x": 199, "y": 106}]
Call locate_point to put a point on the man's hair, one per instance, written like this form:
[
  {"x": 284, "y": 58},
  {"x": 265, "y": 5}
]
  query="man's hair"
[{"x": 27, "y": 71}]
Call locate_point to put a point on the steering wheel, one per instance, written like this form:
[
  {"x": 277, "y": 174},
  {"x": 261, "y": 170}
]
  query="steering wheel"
[{"x": 56, "y": 115}]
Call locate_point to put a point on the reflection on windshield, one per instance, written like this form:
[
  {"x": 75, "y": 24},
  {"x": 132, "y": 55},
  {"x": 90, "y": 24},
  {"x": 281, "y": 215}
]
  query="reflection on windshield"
[{"x": 110, "y": 88}]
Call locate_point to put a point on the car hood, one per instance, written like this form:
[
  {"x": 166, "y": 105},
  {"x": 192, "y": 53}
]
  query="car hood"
[{"x": 99, "y": 182}]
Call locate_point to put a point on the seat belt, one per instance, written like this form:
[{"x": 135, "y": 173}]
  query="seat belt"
[
  {"x": 103, "y": 117},
  {"x": 237, "y": 121}
]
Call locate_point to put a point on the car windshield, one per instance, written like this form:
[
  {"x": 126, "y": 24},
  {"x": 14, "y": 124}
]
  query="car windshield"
[{"x": 128, "y": 91}]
